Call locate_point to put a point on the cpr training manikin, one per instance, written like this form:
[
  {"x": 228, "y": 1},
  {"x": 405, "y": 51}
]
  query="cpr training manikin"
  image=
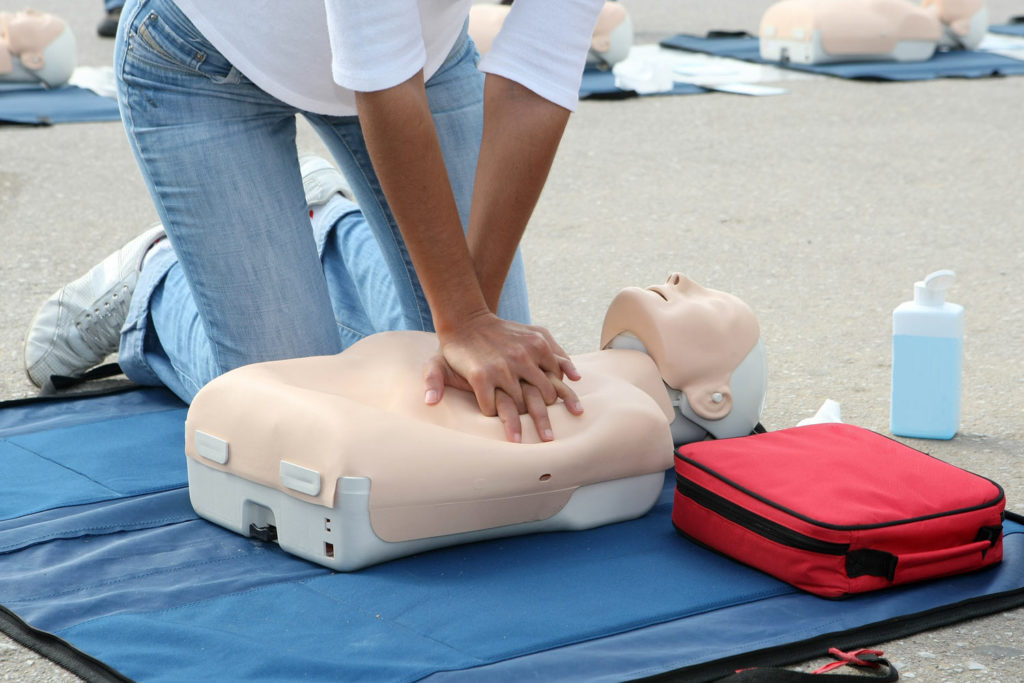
[
  {"x": 827, "y": 31},
  {"x": 35, "y": 48},
  {"x": 340, "y": 461}
]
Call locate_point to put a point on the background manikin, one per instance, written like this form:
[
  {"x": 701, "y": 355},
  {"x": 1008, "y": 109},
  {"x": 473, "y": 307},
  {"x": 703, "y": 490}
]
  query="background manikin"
[
  {"x": 825, "y": 31},
  {"x": 36, "y": 48}
]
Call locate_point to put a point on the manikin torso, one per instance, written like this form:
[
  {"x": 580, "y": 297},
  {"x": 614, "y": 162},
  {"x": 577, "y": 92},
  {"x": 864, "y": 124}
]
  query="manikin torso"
[{"x": 447, "y": 469}]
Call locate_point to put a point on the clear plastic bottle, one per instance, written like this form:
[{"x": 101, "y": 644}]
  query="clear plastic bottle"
[{"x": 927, "y": 361}]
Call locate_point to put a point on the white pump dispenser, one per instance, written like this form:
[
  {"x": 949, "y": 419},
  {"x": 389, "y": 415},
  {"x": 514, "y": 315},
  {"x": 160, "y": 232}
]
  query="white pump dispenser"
[{"x": 927, "y": 361}]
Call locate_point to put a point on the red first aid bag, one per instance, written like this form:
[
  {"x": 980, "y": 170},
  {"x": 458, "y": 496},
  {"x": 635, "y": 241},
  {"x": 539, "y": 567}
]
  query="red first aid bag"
[{"x": 835, "y": 509}]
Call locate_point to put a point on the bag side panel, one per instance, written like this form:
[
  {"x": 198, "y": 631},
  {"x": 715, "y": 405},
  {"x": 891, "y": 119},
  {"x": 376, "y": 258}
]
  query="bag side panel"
[{"x": 823, "y": 575}]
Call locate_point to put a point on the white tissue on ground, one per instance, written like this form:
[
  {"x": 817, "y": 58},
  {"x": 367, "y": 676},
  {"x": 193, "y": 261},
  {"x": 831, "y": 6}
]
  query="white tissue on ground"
[
  {"x": 99, "y": 79},
  {"x": 828, "y": 412},
  {"x": 643, "y": 74}
]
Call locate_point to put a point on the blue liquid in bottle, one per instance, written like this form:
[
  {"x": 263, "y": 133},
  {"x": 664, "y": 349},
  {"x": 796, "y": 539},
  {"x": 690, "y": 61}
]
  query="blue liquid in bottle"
[{"x": 926, "y": 383}]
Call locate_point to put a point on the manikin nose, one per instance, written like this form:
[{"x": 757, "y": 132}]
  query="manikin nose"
[{"x": 679, "y": 281}]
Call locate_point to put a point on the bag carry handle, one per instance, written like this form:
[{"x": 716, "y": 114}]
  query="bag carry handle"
[{"x": 867, "y": 562}]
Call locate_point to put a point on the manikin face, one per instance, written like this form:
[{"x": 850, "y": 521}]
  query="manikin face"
[{"x": 696, "y": 336}]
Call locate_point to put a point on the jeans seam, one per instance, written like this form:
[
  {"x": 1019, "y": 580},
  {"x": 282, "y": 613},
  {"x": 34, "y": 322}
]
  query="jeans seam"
[
  {"x": 349, "y": 328},
  {"x": 385, "y": 210}
]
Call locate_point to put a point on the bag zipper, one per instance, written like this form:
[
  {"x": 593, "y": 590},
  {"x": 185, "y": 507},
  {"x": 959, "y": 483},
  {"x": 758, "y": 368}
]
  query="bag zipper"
[{"x": 766, "y": 528}]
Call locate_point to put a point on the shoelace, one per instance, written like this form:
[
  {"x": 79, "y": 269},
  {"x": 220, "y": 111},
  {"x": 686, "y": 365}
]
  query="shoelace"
[{"x": 102, "y": 326}]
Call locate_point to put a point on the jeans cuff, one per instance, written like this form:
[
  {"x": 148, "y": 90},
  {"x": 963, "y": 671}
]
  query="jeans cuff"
[
  {"x": 130, "y": 354},
  {"x": 326, "y": 217}
]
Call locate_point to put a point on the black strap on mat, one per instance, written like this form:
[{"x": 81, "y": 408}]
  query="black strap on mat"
[
  {"x": 717, "y": 34},
  {"x": 58, "y": 387},
  {"x": 62, "y": 382},
  {"x": 57, "y": 650},
  {"x": 867, "y": 661}
]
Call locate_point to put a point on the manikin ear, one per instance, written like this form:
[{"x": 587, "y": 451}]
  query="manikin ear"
[
  {"x": 33, "y": 60},
  {"x": 711, "y": 401},
  {"x": 961, "y": 26}
]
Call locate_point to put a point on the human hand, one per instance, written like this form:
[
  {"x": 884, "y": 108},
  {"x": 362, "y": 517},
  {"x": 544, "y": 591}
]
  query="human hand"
[{"x": 511, "y": 368}]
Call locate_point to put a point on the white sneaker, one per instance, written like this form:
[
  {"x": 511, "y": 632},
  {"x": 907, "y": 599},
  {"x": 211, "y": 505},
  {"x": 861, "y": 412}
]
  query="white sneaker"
[
  {"x": 321, "y": 180},
  {"x": 80, "y": 325}
]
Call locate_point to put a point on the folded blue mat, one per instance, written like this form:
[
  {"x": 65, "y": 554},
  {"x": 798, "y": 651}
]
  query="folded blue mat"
[
  {"x": 99, "y": 545},
  {"x": 36, "y": 105},
  {"x": 1014, "y": 29},
  {"x": 944, "y": 64}
]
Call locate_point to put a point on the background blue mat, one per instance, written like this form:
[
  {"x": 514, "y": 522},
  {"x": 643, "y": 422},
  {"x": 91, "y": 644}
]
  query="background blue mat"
[
  {"x": 1014, "y": 29},
  {"x": 36, "y": 105},
  {"x": 951, "y": 64},
  {"x": 99, "y": 545}
]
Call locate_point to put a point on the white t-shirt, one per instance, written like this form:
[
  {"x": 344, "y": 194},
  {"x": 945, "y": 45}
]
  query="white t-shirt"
[{"x": 313, "y": 54}]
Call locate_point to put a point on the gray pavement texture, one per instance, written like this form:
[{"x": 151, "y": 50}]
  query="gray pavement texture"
[{"x": 820, "y": 208}]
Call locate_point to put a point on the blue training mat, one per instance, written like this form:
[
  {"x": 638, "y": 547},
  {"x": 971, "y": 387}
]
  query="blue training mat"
[
  {"x": 99, "y": 546},
  {"x": 37, "y": 105},
  {"x": 944, "y": 64}
]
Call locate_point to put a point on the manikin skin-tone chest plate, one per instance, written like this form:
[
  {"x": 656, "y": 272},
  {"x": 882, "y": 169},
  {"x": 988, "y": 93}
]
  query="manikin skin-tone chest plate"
[{"x": 342, "y": 457}]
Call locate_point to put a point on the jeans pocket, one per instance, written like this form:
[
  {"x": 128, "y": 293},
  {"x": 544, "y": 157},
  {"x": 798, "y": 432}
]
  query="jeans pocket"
[{"x": 164, "y": 37}]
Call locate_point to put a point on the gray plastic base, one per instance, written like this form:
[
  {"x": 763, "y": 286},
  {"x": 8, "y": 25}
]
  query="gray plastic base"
[
  {"x": 812, "y": 52},
  {"x": 342, "y": 537}
]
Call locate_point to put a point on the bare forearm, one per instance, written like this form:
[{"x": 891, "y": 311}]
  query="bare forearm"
[
  {"x": 511, "y": 368},
  {"x": 521, "y": 135},
  {"x": 407, "y": 157}
]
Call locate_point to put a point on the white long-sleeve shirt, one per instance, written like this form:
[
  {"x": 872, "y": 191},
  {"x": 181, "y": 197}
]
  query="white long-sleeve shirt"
[{"x": 314, "y": 54}]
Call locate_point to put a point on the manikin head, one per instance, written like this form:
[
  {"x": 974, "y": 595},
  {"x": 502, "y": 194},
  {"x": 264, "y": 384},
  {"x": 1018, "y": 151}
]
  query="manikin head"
[
  {"x": 706, "y": 344},
  {"x": 610, "y": 43},
  {"x": 613, "y": 35},
  {"x": 964, "y": 22},
  {"x": 35, "y": 48}
]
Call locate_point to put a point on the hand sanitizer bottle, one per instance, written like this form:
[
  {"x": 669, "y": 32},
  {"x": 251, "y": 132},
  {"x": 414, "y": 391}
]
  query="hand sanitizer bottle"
[{"x": 927, "y": 361}]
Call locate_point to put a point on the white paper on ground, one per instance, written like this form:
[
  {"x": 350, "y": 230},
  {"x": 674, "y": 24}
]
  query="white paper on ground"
[
  {"x": 99, "y": 79},
  {"x": 748, "y": 89},
  {"x": 651, "y": 68},
  {"x": 828, "y": 412},
  {"x": 1000, "y": 44}
]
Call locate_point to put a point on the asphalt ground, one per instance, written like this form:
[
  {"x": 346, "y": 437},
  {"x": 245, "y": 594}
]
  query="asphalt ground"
[{"x": 820, "y": 208}]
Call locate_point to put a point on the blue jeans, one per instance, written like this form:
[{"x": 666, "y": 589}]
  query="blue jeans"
[{"x": 250, "y": 279}]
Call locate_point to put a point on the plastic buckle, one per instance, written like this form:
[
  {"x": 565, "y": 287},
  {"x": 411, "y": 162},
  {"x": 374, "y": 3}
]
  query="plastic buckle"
[{"x": 863, "y": 657}]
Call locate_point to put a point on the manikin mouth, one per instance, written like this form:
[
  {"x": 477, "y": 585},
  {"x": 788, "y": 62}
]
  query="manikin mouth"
[{"x": 657, "y": 290}]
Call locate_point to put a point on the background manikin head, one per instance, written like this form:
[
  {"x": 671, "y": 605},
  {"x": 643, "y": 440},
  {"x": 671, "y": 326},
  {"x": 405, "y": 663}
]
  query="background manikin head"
[
  {"x": 613, "y": 35},
  {"x": 36, "y": 48},
  {"x": 965, "y": 22},
  {"x": 706, "y": 344},
  {"x": 610, "y": 43}
]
